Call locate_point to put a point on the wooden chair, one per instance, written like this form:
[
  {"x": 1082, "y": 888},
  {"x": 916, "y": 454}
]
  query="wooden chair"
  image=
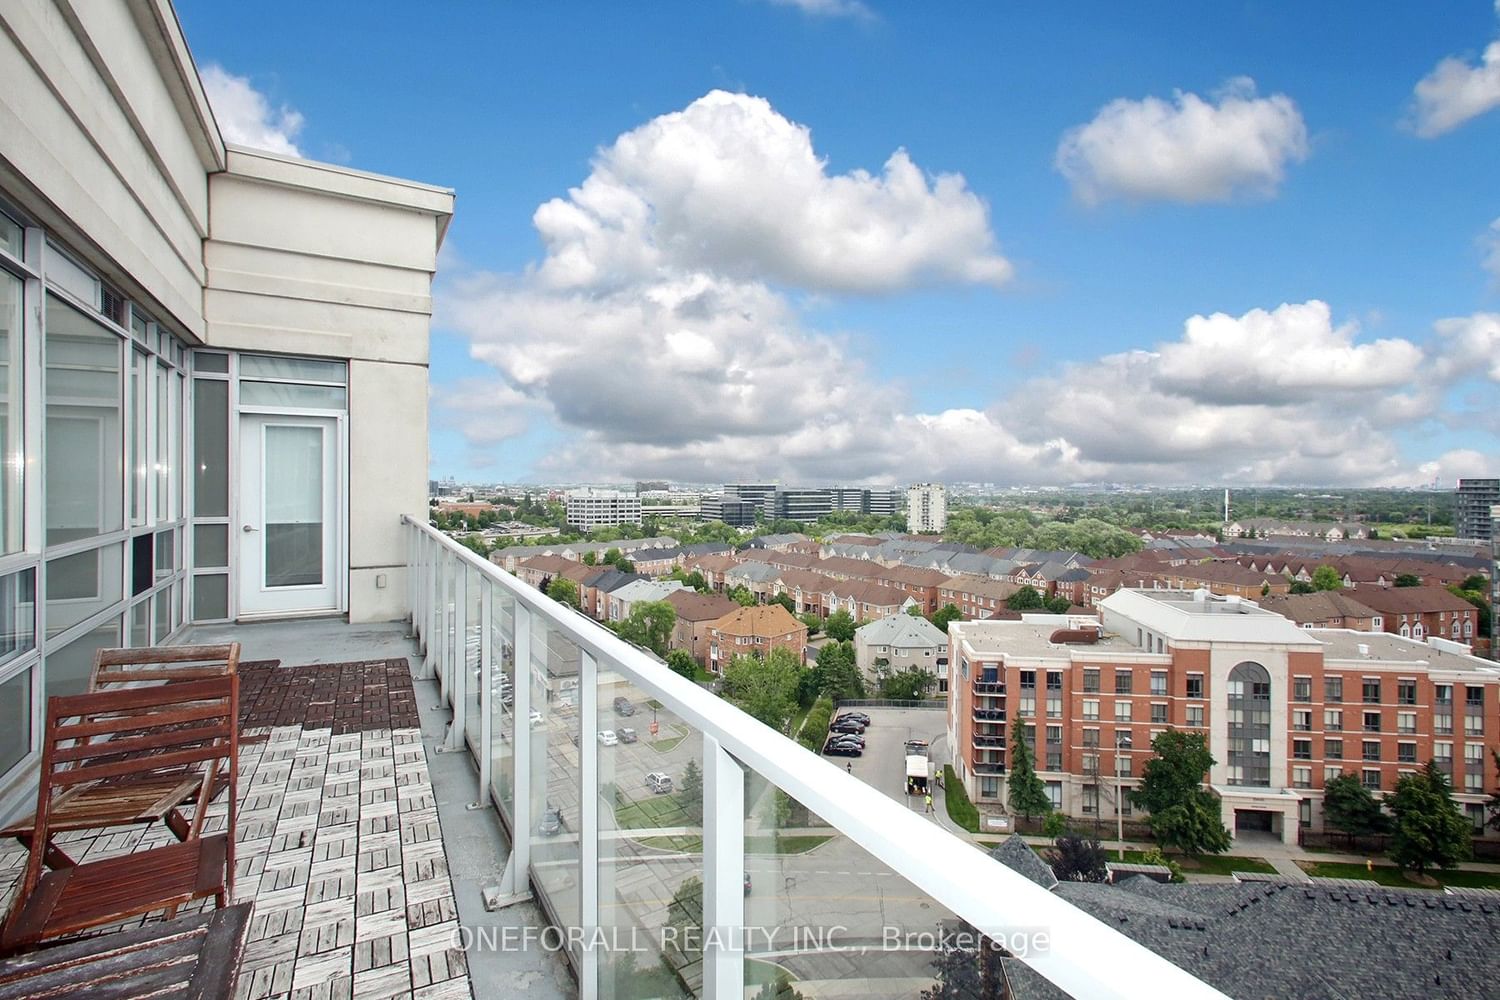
[
  {"x": 98, "y": 739},
  {"x": 158, "y": 795}
]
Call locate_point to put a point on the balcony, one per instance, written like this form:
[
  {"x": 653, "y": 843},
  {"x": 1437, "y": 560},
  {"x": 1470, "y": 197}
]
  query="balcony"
[
  {"x": 989, "y": 742},
  {"x": 989, "y": 687},
  {"x": 988, "y": 768},
  {"x": 606, "y": 852}
]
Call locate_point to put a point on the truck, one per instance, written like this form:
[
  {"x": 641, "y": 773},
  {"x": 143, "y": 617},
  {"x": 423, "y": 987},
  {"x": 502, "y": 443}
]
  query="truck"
[{"x": 918, "y": 771}]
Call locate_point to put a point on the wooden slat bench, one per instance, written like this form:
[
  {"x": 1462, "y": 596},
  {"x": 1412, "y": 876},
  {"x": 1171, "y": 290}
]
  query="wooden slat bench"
[
  {"x": 191, "y": 958},
  {"x": 142, "y": 797},
  {"x": 144, "y": 730}
]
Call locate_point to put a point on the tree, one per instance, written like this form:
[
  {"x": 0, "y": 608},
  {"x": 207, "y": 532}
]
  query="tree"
[
  {"x": 690, "y": 797},
  {"x": 1028, "y": 598},
  {"x": 682, "y": 662},
  {"x": 1024, "y": 793},
  {"x": 785, "y": 601},
  {"x": 649, "y": 624},
  {"x": 1408, "y": 580},
  {"x": 624, "y": 565},
  {"x": 835, "y": 675},
  {"x": 1183, "y": 814},
  {"x": 1302, "y": 587},
  {"x": 612, "y": 556},
  {"x": 591, "y": 558},
  {"x": 915, "y": 610},
  {"x": 778, "y": 988},
  {"x": 765, "y": 688},
  {"x": 740, "y": 594},
  {"x": 840, "y": 626},
  {"x": 1350, "y": 807},
  {"x": 1494, "y": 804},
  {"x": 1058, "y": 605},
  {"x": 945, "y": 614},
  {"x": 813, "y": 622},
  {"x": 1475, "y": 596},
  {"x": 696, "y": 581},
  {"x": 685, "y": 913},
  {"x": 1429, "y": 830},
  {"x": 968, "y": 966},
  {"x": 911, "y": 684},
  {"x": 815, "y": 726},
  {"x": 1325, "y": 577},
  {"x": 563, "y": 591},
  {"x": 1078, "y": 859},
  {"x": 1054, "y": 825}
]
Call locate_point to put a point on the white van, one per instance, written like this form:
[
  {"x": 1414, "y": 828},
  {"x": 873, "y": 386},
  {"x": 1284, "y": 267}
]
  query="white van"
[{"x": 659, "y": 783}]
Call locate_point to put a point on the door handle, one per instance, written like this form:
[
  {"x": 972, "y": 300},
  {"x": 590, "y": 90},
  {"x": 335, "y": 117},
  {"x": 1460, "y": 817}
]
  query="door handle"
[{"x": 248, "y": 528}]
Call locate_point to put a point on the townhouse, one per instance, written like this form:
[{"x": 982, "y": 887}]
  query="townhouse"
[
  {"x": 902, "y": 642},
  {"x": 865, "y": 600},
  {"x": 975, "y": 596},
  {"x": 755, "y": 631},
  {"x": 1326, "y": 609},
  {"x": 696, "y": 613},
  {"x": 1423, "y": 611}
]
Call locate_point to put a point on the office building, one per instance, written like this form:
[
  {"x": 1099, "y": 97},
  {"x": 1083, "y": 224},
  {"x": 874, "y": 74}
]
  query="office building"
[
  {"x": 728, "y": 508},
  {"x": 1472, "y": 518},
  {"x": 1284, "y": 708},
  {"x": 588, "y": 509},
  {"x": 926, "y": 508}
]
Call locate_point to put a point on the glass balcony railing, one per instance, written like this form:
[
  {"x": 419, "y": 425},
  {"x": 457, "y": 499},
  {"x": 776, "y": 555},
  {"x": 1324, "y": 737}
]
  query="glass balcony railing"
[{"x": 680, "y": 848}]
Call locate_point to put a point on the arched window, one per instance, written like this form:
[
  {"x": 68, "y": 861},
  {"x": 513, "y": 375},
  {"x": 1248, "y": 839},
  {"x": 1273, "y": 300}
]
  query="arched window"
[
  {"x": 1468, "y": 628},
  {"x": 1249, "y": 713},
  {"x": 1405, "y": 631},
  {"x": 1417, "y": 631}
]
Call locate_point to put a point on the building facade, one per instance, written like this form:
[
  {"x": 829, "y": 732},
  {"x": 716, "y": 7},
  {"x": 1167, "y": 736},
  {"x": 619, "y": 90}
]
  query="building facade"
[
  {"x": 1472, "y": 517},
  {"x": 754, "y": 631},
  {"x": 902, "y": 642},
  {"x": 926, "y": 508},
  {"x": 1284, "y": 708},
  {"x": 214, "y": 362},
  {"x": 588, "y": 509}
]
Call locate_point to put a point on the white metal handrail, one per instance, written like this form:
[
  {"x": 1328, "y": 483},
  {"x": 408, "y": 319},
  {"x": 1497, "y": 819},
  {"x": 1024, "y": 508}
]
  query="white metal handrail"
[{"x": 1085, "y": 957}]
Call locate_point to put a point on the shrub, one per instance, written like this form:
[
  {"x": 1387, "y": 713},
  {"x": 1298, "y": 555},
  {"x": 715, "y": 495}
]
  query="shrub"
[{"x": 960, "y": 809}]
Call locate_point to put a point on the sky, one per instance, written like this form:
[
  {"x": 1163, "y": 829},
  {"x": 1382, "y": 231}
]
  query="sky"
[{"x": 824, "y": 241}]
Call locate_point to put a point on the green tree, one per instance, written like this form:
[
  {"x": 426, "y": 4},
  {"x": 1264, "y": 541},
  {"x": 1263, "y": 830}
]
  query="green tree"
[
  {"x": 1494, "y": 803},
  {"x": 690, "y": 797},
  {"x": 1325, "y": 577},
  {"x": 785, "y": 601},
  {"x": 1408, "y": 580},
  {"x": 1475, "y": 596},
  {"x": 778, "y": 988},
  {"x": 1054, "y": 825},
  {"x": 945, "y": 614},
  {"x": 740, "y": 594},
  {"x": 1024, "y": 793},
  {"x": 475, "y": 544},
  {"x": 591, "y": 558},
  {"x": 764, "y": 688},
  {"x": 840, "y": 626},
  {"x": 696, "y": 581},
  {"x": 1184, "y": 814},
  {"x": 1028, "y": 598},
  {"x": 1350, "y": 807},
  {"x": 682, "y": 662},
  {"x": 911, "y": 684},
  {"x": 813, "y": 622},
  {"x": 1057, "y": 605},
  {"x": 1302, "y": 587},
  {"x": 612, "y": 555},
  {"x": 835, "y": 675},
  {"x": 649, "y": 624},
  {"x": 815, "y": 726},
  {"x": 1429, "y": 831},
  {"x": 685, "y": 913},
  {"x": 624, "y": 565},
  {"x": 563, "y": 591},
  {"x": 915, "y": 610}
]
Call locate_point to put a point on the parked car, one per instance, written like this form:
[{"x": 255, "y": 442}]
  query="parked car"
[
  {"x": 627, "y": 735},
  {"x": 846, "y": 738},
  {"x": 624, "y": 707},
  {"x": 659, "y": 783},
  {"x": 847, "y": 726},
  {"x": 536, "y": 717},
  {"x": 608, "y": 737},
  {"x": 836, "y": 749},
  {"x": 551, "y": 822},
  {"x": 856, "y": 716}
]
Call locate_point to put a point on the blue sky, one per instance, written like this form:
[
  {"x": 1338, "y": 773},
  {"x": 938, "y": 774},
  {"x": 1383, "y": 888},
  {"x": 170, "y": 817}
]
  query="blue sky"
[{"x": 743, "y": 287}]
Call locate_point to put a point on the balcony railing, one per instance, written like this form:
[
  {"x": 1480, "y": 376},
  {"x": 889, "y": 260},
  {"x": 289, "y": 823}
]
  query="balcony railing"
[{"x": 543, "y": 699}]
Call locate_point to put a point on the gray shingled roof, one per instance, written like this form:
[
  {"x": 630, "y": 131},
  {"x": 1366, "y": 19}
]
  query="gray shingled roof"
[{"x": 1014, "y": 853}]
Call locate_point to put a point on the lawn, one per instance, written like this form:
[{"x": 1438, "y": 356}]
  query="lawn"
[
  {"x": 1206, "y": 864},
  {"x": 664, "y": 742},
  {"x": 1392, "y": 876},
  {"x": 796, "y": 844},
  {"x": 655, "y": 811},
  {"x": 960, "y": 809}
]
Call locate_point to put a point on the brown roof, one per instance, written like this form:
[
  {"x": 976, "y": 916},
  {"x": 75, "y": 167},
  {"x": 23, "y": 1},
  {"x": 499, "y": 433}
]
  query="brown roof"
[
  {"x": 710, "y": 564},
  {"x": 868, "y": 592},
  {"x": 1307, "y": 609},
  {"x": 550, "y": 564},
  {"x": 805, "y": 580},
  {"x": 695, "y": 607},
  {"x": 844, "y": 566},
  {"x": 979, "y": 586},
  {"x": 912, "y": 576},
  {"x": 1410, "y": 600},
  {"x": 1227, "y": 573},
  {"x": 769, "y": 620}
]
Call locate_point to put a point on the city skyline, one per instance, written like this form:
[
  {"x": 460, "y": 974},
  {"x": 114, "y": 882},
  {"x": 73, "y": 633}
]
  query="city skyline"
[{"x": 954, "y": 277}]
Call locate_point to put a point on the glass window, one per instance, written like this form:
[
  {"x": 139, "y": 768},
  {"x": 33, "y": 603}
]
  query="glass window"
[
  {"x": 1195, "y": 716},
  {"x": 161, "y": 606},
  {"x": 1371, "y": 749},
  {"x": 267, "y": 366},
  {"x": 1333, "y": 719},
  {"x": 1333, "y": 749},
  {"x": 211, "y": 448},
  {"x": 1302, "y": 689},
  {"x": 17, "y": 615},
  {"x": 80, "y": 586},
  {"x": 1371, "y": 689},
  {"x": 1158, "y": 713},
  {"x": 1372, "y": 722},
  {"x": 12, "y": 237},
  {"x": 1333, "y": 689},
  {"x": 282, "y": 394},
  {"x": 1302, "y": 749},
  {"x": 166, "y": 554},
  {"x": 211, "y": 597},
  {"x": 67, "y": 669},
  {"x": 12, "y": 425},
  {"x": 1158, "y": 682},
  {"x": 15, "y": 719},
  {"x": 1091, "y": 679},
  {"x": 1370, "y": 779},
  {"x": 1406, "y": 692},
  {"x": 1123, "y": 680},
  {"x": 1406, "y": 753},
  {"x": 1249, "y": 706},
  {"x": 217, "y": 364},
  {"x": 1195, "y": 686},
  {"x": 83, "y": 460},
  {"x": 210, "y": 545},
  {"x": 162, "y": 461},
  {"x": 140, "y": 455}
]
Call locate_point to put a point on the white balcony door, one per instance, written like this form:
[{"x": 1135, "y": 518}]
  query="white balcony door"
[{"x": 290, "y": 539}]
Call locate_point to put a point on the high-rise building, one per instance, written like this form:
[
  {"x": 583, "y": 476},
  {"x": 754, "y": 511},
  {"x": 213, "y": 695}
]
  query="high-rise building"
[
  {"x": 757, "y": 494},
  {"x": 1495, "y": 581},
  {"x": 727, "y": 508},
  {"x": 1284, "y": 709},
  {"x": 926, "y": 508},
  {"x": 803, "y": 504},
  {"x": 589, "y": 508},
  {"x": 1476, "y": 498},
  {"x": 885, "y": 503}
]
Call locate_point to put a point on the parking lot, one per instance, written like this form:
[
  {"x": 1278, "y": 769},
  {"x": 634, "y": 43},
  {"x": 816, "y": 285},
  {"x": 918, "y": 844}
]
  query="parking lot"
[{"x": 884, "y": 762}]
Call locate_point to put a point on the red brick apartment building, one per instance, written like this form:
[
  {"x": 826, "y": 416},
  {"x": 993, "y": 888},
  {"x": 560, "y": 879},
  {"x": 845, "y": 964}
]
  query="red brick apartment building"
[{"x": 1285, "y": 708}]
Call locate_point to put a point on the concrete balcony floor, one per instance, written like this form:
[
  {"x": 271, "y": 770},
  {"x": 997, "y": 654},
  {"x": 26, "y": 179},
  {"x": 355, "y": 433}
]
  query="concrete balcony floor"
[{"x": 354, "y": 840}]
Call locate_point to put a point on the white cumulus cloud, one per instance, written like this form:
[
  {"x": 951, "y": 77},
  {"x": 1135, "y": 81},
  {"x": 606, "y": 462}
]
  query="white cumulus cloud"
[
  {"x": 246, "y": 117},
  {"x": 1186, "y": 149},
  {"x": 830, "y": 8},
  {"x": 729, "y": 185},
  {"x": 1456, "y": 91}
]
